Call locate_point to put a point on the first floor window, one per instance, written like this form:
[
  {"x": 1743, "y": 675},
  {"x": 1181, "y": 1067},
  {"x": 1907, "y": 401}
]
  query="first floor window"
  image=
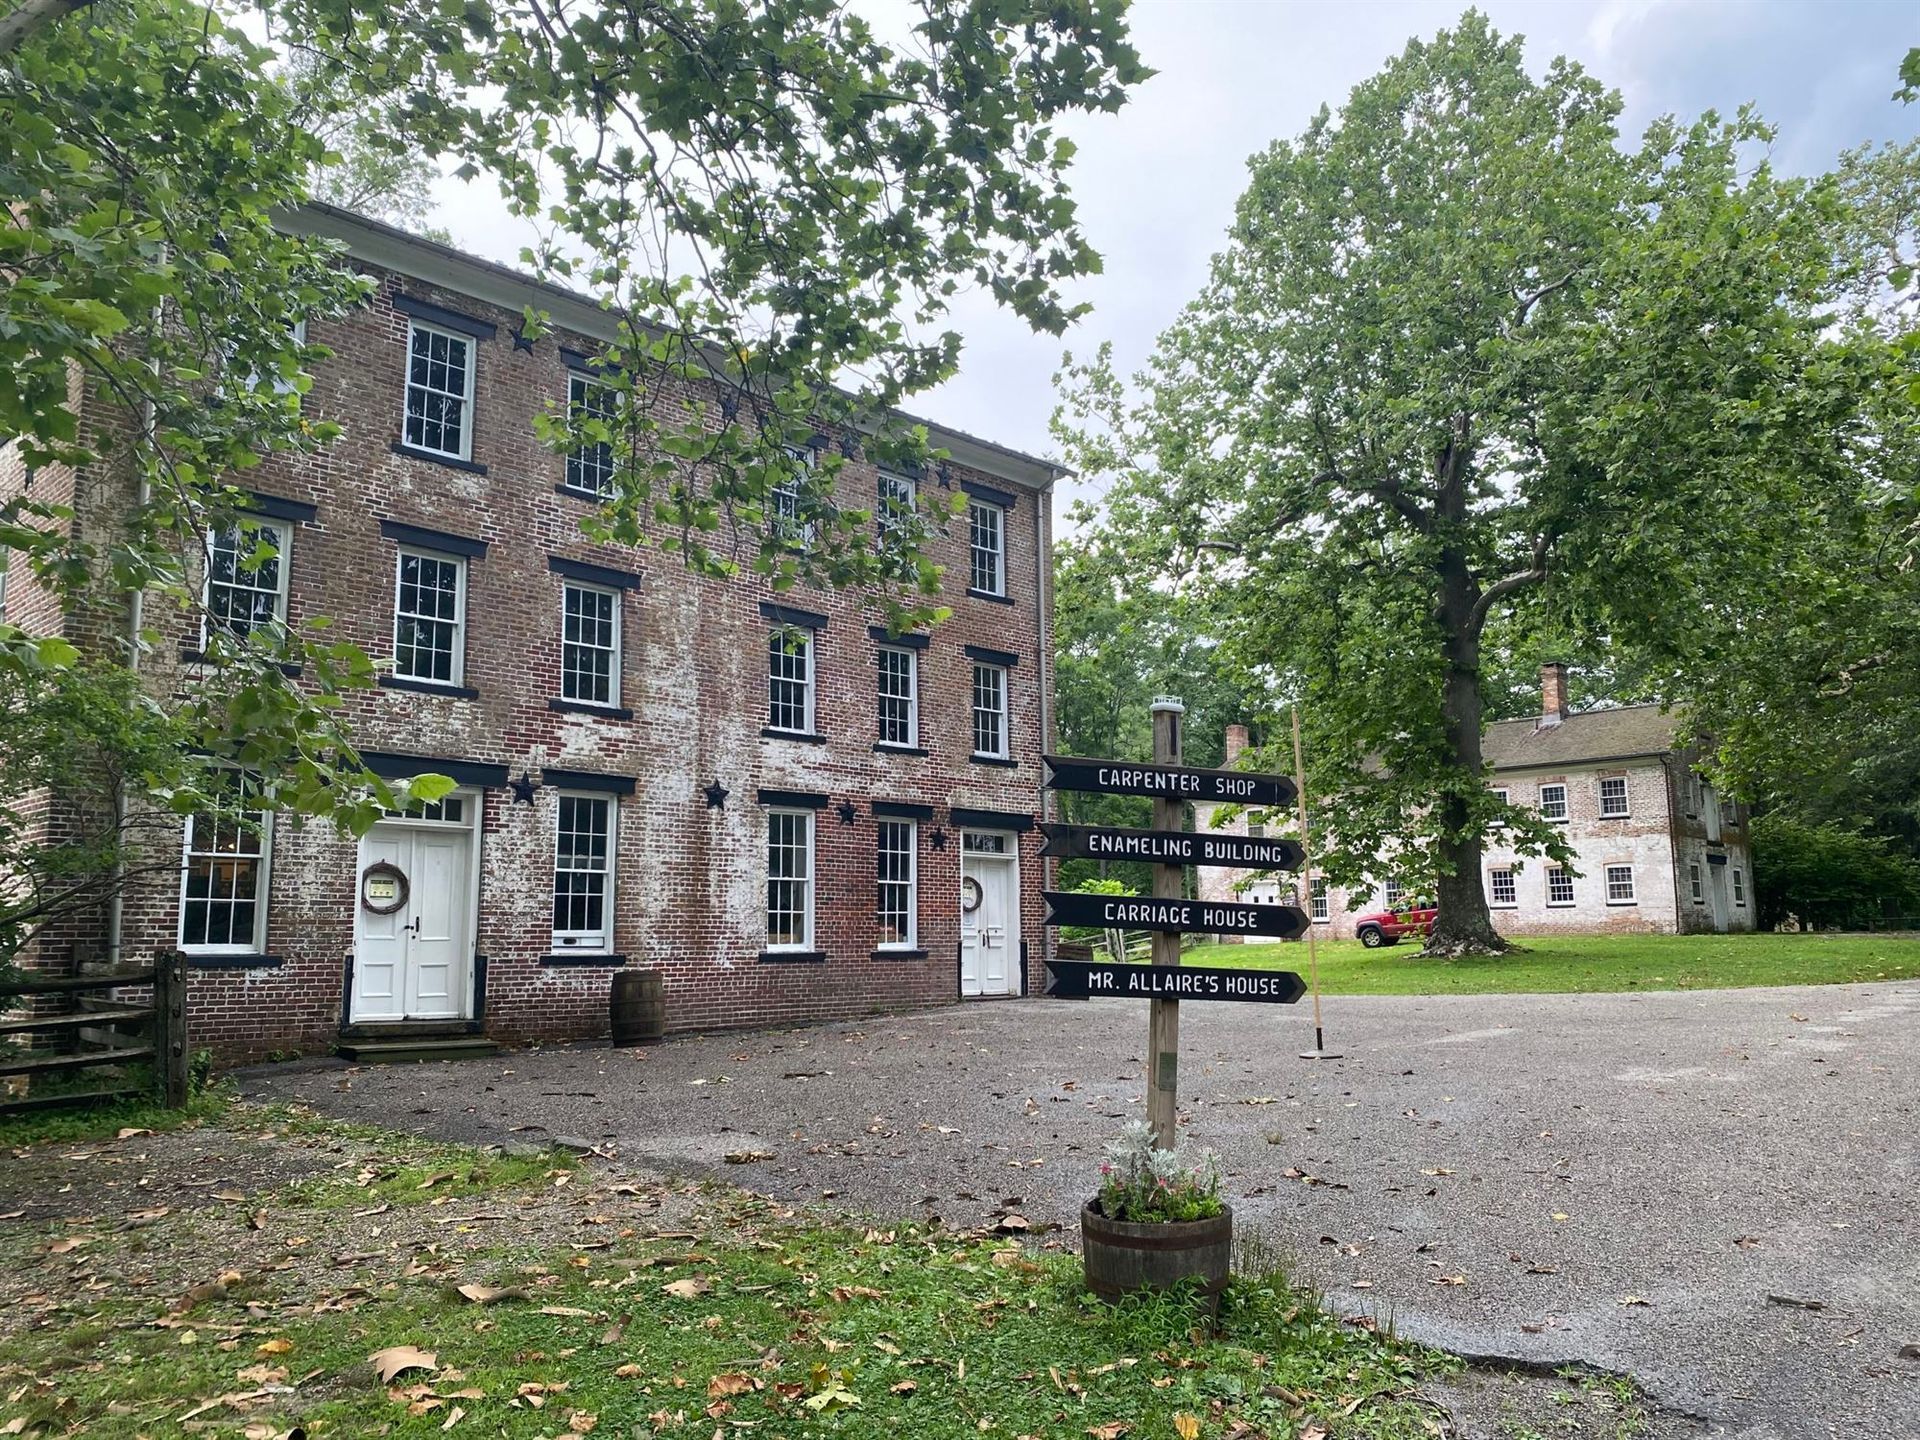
[
  {"x": 429, "y": 618},
  {"x": 899, "y": 883},
  {"x": 590, "y": 466},
  {"x": 590, "y": 645},
  {"x": 1501, "y": 889},
  {"x": 986, "y": 549},
  {"x": 1693, "y": 878},
  {"x": 246, "y": 579},
  {"x": 439, "y": 391},
  {"x": 583, "y": 874},
  {"x": 1613, "y": 797},
  {"x": 1739, "y": 887},
  {"x": 1394, "y": 893},
  {"x": 1619, "y": 885},
  {"x": 899, "y": 697},
  {"x": 789, "y": 879},
  {"x": 790, "y": 680},
  {"x": 1320, "y": 901},
  {"x": 1553, "y": 802},
  {"x": 223, "y": 883},
  {"x": 990, "y": 710},
  {"x": 1559, "y": 885}
]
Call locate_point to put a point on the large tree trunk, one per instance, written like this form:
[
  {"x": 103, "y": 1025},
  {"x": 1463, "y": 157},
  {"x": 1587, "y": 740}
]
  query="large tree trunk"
[{"x": 1464, "y": 925}]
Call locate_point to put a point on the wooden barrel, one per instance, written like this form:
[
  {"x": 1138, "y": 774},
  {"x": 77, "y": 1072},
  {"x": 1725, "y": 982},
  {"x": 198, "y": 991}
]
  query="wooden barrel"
[
  {"x": 1122, "y": 1257},
  {"x": 639, "y": 1006}
]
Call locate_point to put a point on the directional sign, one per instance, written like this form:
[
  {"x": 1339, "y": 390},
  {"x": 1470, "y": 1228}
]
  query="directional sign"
[
  {"x": 1205, "y": 917},
  {"x": 1170, "y": 847},
  {"x": 1075, "y": 979},
  {"x": 1167, "y": 782}
]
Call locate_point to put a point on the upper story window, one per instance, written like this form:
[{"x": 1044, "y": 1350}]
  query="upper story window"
[
  {"x": 990, "y": 711},
  {"x": 589, "y": 644},
  {"x": 1620, "y": 885},
  {"x": 430, "y": 618},
  {"x": 790, "y": 679},
  {"x": 1499, "y": 793},
  {"x": 899, "y": 883},
  {"x": 789, "y": 879},
  {"x": 1553, "y": 802},
  {"x": 787, "y": 506},
  {"x": 1501, "y": 889},
  {"x": 1559, "y": 885},
  {"x": 1320, "y": 906},
  {"x": 223, "y": 875},
  {"x": 583, "y": 871},
  {"x": 896, "y": 501},
  {"x": 1739, "y": 887},
  {"x": 590, "y": 466},
  {"x": 987, "y": 547},
  {"x": 439, "y": 415},
  {"x": 899, "y": 696},
  {"x": 246, "y": 587},
  {"x": 1613, "y": 797}
]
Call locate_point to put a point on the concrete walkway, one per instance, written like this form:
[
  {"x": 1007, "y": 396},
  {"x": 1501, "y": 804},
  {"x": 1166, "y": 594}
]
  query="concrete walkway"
[{"x": 1712, "y": 1191}]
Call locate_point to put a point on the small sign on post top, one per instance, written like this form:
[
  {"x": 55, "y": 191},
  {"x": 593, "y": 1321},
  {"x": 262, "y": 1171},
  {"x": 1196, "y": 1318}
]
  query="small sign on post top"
[{"x": 1166, "y": 781}]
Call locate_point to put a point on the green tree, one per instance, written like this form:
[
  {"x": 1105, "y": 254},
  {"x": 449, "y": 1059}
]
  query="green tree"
[
  {"x": 1464, "y": 348},
  {"x": 1826, "y": 877}
]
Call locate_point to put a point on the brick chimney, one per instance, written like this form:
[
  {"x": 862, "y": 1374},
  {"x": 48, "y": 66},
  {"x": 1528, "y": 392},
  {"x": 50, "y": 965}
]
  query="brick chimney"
[
  {"x": 1553, "y": 693},
  {"x": 1236, "y": 744}
]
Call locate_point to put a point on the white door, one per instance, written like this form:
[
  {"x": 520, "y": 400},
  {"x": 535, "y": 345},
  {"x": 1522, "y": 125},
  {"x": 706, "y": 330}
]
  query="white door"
[
  {"x": 1717, "y": 896},
  {"x": 412, "y": 964},
  {"x": 989, "y": 914}
]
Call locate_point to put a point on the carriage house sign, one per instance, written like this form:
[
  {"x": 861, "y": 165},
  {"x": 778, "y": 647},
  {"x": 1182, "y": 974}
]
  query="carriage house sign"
[{"x": 1203, "y": 917}]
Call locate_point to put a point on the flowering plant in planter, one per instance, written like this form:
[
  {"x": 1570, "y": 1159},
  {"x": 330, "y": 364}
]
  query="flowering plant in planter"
[{"x": 1141, "y": 1184}]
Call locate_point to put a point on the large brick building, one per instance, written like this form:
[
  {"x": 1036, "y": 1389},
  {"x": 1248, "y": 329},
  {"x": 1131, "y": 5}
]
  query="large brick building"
[
  {"x": 788, "y": 812},
  {"x": 1656, "y": 849}
]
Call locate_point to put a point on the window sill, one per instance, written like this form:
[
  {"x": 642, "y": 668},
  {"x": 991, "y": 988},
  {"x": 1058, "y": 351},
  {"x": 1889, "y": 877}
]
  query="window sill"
[
  {"x": 573, "y": 957},
  {"x": 1002, "y": 761},
  {"x": 887, "y": 747},
  {"x": 1616, "y": 817},
  {"x": 1503, "y": 904},
  {"x": 898, "y": 952},
  {"x": 428, "y": 687},
  {"x": 1561, "y": 904},
  {"x": 582, "y": 707},
  {"x": 223, "y": 960},
  {"x": 573, "y": 492},
  {"x": 767, "y": 732},
  {"x": 1622, "y": 904},
  {"x": 191, "y": 656},
  {"x": 793, "y": 957},
  {"x": 973, "y": 594},
  {"x": 452, "y": 462}
]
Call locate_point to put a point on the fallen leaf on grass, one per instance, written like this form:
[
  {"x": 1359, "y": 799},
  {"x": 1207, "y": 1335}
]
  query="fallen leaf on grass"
[
  {"x": 127, "y": 1132},
  {"x": 731, "y": 1383},
  {"x": 438, "y": 1177},
  {"x": 454, "y": 1417},
  {"x": 1313, "y": 1430},
  {"x": 273, "y": 1347},
  {"x": 1112, "y": 1430},
  {"x": 489, "y": 1294},
  {"x": 70, "y": 1243},
  {"x": 904, "y": 1387},
  {"x": 581, "y": 1422},
  {"x": 1186, "y": 1426},
  {"x": 688, "y": 1288},
  {"x": 399, "y": 1359}
]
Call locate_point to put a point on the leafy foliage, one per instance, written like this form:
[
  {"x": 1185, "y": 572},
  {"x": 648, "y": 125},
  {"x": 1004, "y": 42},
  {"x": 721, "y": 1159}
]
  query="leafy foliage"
[
  {"x": 1828, "y": 878},
  {"x": 1142, "y": 1184}
]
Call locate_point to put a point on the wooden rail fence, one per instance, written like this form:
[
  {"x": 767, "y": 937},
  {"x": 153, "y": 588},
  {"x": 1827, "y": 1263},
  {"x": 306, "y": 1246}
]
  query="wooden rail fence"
[{"x": 91, "y": 1033}]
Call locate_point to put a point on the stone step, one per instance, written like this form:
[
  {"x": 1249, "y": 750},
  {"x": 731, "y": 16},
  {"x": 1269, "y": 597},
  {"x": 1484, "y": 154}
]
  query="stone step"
[{"x": 391, "y": 1052}]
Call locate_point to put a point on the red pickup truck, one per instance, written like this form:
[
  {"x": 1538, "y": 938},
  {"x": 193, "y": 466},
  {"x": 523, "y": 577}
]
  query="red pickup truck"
[{"x": 1384, "y": 927}]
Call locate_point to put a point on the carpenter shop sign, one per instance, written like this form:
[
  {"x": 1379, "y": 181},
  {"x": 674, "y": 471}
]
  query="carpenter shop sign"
[
  {"x": 1207, "y": 917},
  {"x": 1170, "y": 847},
  {"x": 1078, "y": 979},
  {"x": 1167, "y": 782}
]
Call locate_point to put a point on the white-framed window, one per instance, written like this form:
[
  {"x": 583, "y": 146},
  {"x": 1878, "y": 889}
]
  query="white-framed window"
[
  {"x": 987, "y": 547},
  {"x": 1613, "y": 797},
  {"x": 439, "y": 411},
  {"x": 223, "y": 872},
  {"x": 1693, "y": 882},
  {"x": 430, "y": 617},
  {"x": 984, "y": 842},
  {"x": 790, "y": 879},
  {"x": 246, "y": 587},
  {"x": 589, "y": 644},
  {"x": 790, "y": 679},
  {"x": 1500, "y": 793},
  {"x": 899, "y": 696},
  {"x": 583, "y": 871},
  {"x": 1559, "y": 885},
  {"x": 590, "y": 466},
  {"x": 990, "y": 710},
  {"x": 898, "y": 867},
  {"x": 1739, "y": 887},
  {"x": 1620, "y": 885},
  {"x": 896, "y": 501},
  {"x": 1393, "y": 893},
  {"x": 1321, "y": 906},
  {"x": 1501, "y": 889},
  {"x": 298, "y": 334},
  {"x": 786, "y": 506},
  {"x": 1553, "y": 802}
]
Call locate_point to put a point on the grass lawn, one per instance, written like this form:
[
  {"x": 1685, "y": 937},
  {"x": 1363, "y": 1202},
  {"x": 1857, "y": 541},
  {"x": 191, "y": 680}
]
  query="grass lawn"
[
  {"x": 617, "y": 1306},
  {"x": 1588, "y": 963}
]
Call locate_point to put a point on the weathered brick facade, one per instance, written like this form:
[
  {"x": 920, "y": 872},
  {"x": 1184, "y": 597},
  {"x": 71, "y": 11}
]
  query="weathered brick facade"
[
  {"x": 1660, "y": 824},
  {"x": 690, "y": 864}
]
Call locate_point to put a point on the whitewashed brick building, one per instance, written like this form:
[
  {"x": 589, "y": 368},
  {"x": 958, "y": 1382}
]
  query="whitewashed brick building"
[{"x": 1656, "y": 849}]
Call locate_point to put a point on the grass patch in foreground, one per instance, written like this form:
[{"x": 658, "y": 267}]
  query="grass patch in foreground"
[
  {"x": 743, "y": 1323},
  {"x": 103, "y": 1122},
  {"x": 1588, "y": 963}
]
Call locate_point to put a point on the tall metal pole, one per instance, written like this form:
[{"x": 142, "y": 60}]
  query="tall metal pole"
[
  {"x": 1319, "y": 1051},
  {"x": 1163, "y": 1016}
]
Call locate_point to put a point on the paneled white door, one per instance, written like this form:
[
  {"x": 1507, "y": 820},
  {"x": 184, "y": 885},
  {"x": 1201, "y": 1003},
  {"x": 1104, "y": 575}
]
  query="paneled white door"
[
  {"x": 989, "y": 920},
  {"x": 412, "y": 964}
]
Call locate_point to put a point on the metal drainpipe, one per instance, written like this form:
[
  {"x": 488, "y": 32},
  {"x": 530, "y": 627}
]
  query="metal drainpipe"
[{"x": 1042, "y": 554}]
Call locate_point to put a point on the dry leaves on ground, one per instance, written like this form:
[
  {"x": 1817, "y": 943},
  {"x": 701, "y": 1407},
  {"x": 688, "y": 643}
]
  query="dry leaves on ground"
[{"x": 399, "y": 1359}]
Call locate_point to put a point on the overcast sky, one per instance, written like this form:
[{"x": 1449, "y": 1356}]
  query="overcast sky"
[{"x": 1157, "y": 183}]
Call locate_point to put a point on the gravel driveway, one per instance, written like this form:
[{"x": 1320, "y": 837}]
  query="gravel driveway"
[{"x": 1712, "y": 1191}]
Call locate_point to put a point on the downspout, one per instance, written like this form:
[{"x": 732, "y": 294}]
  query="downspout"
[{"x": 1043, "y": 591}]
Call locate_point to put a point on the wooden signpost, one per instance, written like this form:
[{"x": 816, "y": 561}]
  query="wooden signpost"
[{"x": 1167, "y": 912}]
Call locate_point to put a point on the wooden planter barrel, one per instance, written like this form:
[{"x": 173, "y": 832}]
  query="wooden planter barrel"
[
  {"x": 639, "y": 1006},
  {"x": 1122, "y": 1257}
]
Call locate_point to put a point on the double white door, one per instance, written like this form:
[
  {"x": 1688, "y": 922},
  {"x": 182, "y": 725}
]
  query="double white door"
[
  {"x": 415, "y": 963},
  {"x": 989, "y": 916}
]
